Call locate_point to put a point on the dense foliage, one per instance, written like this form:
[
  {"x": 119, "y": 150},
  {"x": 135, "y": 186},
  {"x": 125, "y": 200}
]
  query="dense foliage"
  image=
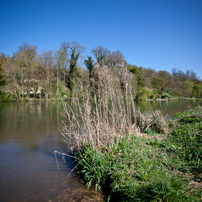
[{"x": 52, "y": 74}]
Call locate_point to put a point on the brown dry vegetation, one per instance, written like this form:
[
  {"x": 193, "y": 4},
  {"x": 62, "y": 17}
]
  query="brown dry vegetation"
[{"x": 106, "y": 110}]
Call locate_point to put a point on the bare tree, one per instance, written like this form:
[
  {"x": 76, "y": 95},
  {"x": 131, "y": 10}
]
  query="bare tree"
[
  {"x": 26, "y": 58},
  {"x": 47, "y": 60},
  {"x": 102, "y": 55},
  {"x": 62, "y": 62},
  {"x": 10, "y": 71},
  {"x": 116, "y": 57}
]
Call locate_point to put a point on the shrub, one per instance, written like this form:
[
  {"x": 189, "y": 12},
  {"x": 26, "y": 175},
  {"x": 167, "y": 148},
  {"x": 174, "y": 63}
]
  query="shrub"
[
  {"x": 152, "y": 96},
  {"x": 158, "y": 96},
  {"x": 153, "y": 120},
  {"x": 144, "y": 93},
  {"x": 6, "y": 97}
]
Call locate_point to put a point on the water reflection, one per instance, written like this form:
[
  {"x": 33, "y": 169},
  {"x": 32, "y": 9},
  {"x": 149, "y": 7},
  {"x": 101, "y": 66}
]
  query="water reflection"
[
  {"x": 28, "y": 170},
  {"x": 168, "y": 107}
]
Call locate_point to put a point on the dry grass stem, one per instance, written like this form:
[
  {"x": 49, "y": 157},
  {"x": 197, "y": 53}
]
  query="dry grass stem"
[{"x": 104, "y": 111}]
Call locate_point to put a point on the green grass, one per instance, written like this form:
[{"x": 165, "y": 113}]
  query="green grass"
[
  {"x": 187, "y": 139},
  {"x": 149, "y": 169},
  {"x": 135, "y": 169}
]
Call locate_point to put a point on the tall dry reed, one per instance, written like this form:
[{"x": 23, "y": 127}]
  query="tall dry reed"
[
  {"x": 105, "y": 110},
  {"x": 102, "y": 111}
]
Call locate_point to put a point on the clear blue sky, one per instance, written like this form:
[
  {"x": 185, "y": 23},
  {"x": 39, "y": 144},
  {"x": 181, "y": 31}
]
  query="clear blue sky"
[{"x": 160, "y": 34}]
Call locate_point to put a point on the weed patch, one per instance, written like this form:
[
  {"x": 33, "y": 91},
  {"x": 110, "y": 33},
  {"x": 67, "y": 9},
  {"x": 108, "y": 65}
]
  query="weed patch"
[{"x": 134, "y": 170}]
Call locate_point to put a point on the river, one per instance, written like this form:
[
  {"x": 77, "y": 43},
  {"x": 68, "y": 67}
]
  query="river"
[
  {"x": 168, "y": 107},
  {"x": 28, "y": 138},
  {"x": 28, "y": 170}
]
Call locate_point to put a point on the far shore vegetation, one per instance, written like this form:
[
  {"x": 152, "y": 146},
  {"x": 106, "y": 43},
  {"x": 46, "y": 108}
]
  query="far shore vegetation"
[{"x": 28, "y": 75}]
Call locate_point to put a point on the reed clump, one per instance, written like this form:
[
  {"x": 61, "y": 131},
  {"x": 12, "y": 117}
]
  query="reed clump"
[
  {"x": 153, "y": 120},
  {"x": 95, "y": 116},
  {"x": 105, "y": 109}
]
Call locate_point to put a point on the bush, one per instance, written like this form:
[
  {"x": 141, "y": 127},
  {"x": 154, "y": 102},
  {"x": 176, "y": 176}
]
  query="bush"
[
  {"x": 5, "y": 97},
  {"x": 158, "y": 96},
  {"x": 153, "y": 120},
  {"x": 65, "y": 92},
  {"x": 152, "y": 96},
  {"x": 144, "y": 93}
]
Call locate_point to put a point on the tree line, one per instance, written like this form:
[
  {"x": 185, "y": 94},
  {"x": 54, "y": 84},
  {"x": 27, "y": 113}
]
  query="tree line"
[{"x": 52, "y": 74}]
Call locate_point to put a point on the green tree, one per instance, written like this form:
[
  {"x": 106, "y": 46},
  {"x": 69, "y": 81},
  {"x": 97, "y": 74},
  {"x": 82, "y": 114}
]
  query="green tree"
[
  {"x": 2, "y": 61},
  {"x": 76, "y": 50},
  {"x": 162, "y": 81},
  {"x": 138, "y": 73},
  {"x": 188, "y": 86},
  {"x": 144, "y": 93},
  {"x": 73, "y": 71},
  {"x": 89, "y": 63},
  {"x": 147, "y": 75},
  {"x": 198, "y": 89}
]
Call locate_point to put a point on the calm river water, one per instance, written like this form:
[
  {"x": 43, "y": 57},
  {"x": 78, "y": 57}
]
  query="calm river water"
[
  {"x": 168, "y": 107},
  {"x": 28, "y": 170},
  {"x": 28, "y": 138}
]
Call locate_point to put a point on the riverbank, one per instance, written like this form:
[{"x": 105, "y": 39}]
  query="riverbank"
[
  {"x": 165, "y": 99},
  {"x": 68, "y": 99},
  {"x": 150, "y": 166},
  {"x": 10, "y": 98},
  {"x": 34, "y": 99}
]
